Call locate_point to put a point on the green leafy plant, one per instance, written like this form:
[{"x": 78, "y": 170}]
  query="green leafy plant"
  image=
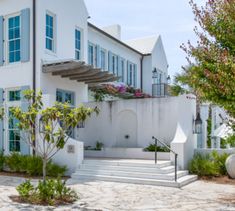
[
  {"x": 32, "y": 165},
  {"x": 52, "y": 135},
  {"x": 151, "y": 148},
  {"x": 48, "y": 192},
  {"x": 208, "y": 165},
  {"x": 25, "y": 189},
  {"x": 99, "y": 146},
  {"x": 2, "y": 161}
]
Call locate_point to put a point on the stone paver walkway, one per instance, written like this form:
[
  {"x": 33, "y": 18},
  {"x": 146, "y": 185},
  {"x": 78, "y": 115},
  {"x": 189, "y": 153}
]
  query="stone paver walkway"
[{"x": 108, "y": 196}]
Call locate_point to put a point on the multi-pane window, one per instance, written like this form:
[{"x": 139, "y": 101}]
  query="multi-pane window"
[
  {"x": 63, "y": 96},
  {"x": 114, "y": 65},
  {"x": 14, "y": 38},
  {"x": 78, "y": 44},
  {"x": 14, "y": 133},
  {"x": 50, "y": 34},
  {"x": 91, "y": 54},
  {"x": 103, "y": 59},
  {"x": 121, "y": 70},
  {"x": 14, "y": 95},
  {"x": 131, "y": 74}
]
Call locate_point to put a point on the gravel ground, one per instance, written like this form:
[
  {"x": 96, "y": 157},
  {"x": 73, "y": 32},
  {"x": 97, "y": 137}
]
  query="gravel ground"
[{"x": 108, "y": 196}]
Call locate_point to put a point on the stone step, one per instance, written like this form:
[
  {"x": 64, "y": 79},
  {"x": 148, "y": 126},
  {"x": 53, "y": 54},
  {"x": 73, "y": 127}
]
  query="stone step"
[
  {"x": 168, "y": 183},
  {"x": 127, "y": 162},
  {"x": 156, "y": 170},
  {"x": 142, "y": 175}
]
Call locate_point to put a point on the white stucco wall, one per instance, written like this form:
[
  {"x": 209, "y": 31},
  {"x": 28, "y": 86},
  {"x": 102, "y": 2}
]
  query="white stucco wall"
[
  {"x": 155, "y": 117},
  {"x": 11, "y": 74},
  {"x": 68, "y": 17}
]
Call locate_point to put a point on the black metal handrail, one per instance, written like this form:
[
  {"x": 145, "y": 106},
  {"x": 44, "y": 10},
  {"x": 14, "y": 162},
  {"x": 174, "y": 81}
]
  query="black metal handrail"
[{"x": 176, "y": 155}]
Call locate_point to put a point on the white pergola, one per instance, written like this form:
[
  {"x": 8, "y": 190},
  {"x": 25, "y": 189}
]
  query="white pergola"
[{"x": 78, "y": 71}]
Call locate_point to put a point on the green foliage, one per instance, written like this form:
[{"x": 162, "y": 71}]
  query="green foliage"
[
  {"x": 212, "y": 75},
  {"x": 99, "y": 146},
  {"x": 49, "y": 192},
  {"x": 231, "y": 140},
  {"x": 32, "y": 165},
  {"x": 52, "y": 134},
  {"x": 2, "y": 161},
  {"x": 25, "y": 189},
  {"x": 1, "y": 113},
  {"x": 151, "y": 148},
  {"x": 208, "y": 165}
]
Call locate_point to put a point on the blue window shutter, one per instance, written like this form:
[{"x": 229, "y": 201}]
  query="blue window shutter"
[
  {"x": 128, "y": 73},
  {"x": 98, "y": 60},
  {"x": 135, "y": 75},
  {"x": 119, "y": 70},
  {"x": 1, "y": 123},
  {"x": 1, "y": 40},
  {"x": 110, "y": 61},
  {"x": 25, "y": 35},
  {"x": 24, "y": 146}
]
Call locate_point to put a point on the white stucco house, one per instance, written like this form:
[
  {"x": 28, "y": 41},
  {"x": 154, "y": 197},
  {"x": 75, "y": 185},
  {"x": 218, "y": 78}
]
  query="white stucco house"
[{"x": 49, "y": 45}]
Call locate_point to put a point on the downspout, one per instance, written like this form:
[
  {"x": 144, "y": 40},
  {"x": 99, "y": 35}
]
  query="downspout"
[
  {"x": 141, "y": 72},
  {"x": 34, "y": 62}
]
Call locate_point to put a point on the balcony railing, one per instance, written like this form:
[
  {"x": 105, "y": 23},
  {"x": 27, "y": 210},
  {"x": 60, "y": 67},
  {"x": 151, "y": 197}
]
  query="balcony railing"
[{"x": 160, "y": 90}]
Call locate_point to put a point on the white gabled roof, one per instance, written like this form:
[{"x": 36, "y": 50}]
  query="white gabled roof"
[{"x": 144, "y": 45}]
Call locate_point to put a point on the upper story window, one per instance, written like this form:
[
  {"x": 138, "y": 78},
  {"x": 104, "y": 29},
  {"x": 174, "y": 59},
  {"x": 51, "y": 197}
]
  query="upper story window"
[
  {"x": 77, "y": 44},
  {"x": 121, "y": 70},
  {"x": 91, "y": 54},
  {"x": 50, "y": 32},
  {"x": 103, "y": 59},
  {"x": 131, "y": 74},
  {"x": 14, "y": 39}
]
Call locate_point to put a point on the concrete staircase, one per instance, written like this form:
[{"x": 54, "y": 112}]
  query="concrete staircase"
[{"x": 131, "y": 171}]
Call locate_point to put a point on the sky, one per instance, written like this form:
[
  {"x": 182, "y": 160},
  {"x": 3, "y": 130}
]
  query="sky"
[{"x": 172, "y": 19}]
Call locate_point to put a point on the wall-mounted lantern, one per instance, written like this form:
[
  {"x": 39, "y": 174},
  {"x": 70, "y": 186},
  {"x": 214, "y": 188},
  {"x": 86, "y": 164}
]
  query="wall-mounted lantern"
[{"x": 198, "y": 124}]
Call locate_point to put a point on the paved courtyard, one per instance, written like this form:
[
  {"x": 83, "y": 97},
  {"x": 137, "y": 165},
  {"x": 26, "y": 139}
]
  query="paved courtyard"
[{"x": 107, "y": 196}]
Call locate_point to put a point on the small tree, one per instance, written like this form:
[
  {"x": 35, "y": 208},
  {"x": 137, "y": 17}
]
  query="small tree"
[
  {"x": 212, "y": 74},
  {"x": 53, "y": 125}
]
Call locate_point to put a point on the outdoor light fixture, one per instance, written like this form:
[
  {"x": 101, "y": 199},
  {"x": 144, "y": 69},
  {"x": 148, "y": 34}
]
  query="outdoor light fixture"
[
  {"x": 198, "y": 124},
  {"x": 168, "y": 79}
]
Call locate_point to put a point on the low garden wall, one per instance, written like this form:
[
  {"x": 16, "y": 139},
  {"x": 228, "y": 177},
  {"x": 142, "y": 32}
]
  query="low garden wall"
[{"x": 127, "y": 153}]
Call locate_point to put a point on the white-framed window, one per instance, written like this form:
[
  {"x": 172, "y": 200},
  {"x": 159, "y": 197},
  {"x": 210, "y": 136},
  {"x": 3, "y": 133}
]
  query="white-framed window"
[
  {"x": 103, "y": 59},
  {"x": 91, "y": 54},
  {"x": 50, "y": 31},
  {"x": 131, "y": 74},
  {"x": 114, "y": 65},
  {"x": 78, "y": 39},
  {"x": 13, "y": 38},
  {"x": 63, "y": 96},
  {"x": 121, "y": 70}
]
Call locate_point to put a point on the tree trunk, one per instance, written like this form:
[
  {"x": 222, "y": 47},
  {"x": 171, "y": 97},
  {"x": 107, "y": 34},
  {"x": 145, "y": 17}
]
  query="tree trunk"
[{"x": 44, "y": 170}]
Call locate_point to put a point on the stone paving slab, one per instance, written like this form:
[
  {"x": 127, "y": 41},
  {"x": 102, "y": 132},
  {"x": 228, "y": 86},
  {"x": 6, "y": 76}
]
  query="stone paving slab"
[{"x": 108, "y": 196}]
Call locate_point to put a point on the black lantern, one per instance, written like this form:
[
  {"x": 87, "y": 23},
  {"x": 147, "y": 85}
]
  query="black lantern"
[{"x": 198, "y": 124}]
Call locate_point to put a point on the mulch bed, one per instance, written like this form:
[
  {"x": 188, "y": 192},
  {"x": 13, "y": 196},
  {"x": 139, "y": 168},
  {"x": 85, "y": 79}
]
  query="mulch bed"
[
  {"x": 225, "y": 180},
  {"x": 57, "y": 203},
  {"x": 20, "y": 175}
]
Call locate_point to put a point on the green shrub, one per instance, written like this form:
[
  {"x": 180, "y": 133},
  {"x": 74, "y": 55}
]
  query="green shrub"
[
  {"x": 54, "y": 170},
  {"x": 32, "y": 165},
  {"x": 2, "y": 161},
  {"x": 25, "y": 189},
  {"x": 50, "y": 192},
  {"x": 151, "y": 148},
  {"x": 219, "y": 161},
  {"x": 208, "y": 165}
]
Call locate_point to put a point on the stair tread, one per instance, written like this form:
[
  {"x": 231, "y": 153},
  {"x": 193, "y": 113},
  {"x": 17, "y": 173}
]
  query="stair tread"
[{"x": 150, "y": 181}]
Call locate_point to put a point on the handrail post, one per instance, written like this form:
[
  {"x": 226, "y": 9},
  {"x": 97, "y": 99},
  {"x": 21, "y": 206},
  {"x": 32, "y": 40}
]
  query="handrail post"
[
  {"x": 155, "y": 151},
  {"x": 176, "y": 155}
]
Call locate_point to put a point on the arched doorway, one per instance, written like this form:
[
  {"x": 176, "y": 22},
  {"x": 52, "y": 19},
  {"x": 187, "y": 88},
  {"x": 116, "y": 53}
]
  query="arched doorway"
[{"x": 126, "y": 136}]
